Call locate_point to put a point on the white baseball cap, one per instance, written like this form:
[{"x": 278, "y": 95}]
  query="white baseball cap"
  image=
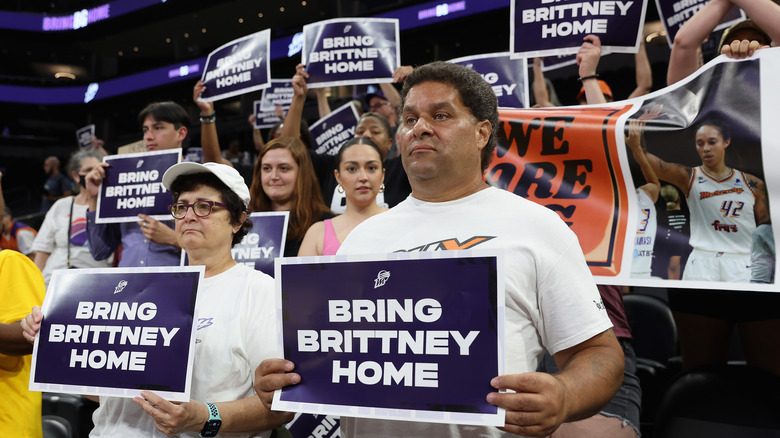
[{"x": 226, "y": 174}]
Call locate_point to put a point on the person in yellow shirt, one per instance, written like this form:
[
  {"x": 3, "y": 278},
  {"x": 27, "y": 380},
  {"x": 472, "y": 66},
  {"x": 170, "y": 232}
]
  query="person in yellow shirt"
[{"x": 21, "y": 288}]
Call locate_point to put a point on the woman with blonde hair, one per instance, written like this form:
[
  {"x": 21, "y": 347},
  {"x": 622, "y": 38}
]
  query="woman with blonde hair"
[{"x": 284, "y": 180}]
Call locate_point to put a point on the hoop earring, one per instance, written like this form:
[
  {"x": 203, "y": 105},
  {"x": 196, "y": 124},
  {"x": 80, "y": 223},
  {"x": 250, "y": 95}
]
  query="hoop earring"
[
  {"x": 382, "y": 188},
  {"x": 339, "y": 188}
]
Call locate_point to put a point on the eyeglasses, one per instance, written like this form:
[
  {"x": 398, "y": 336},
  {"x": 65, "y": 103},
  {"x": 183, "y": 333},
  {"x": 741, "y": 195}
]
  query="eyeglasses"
[{"x": 200, "y": 208}]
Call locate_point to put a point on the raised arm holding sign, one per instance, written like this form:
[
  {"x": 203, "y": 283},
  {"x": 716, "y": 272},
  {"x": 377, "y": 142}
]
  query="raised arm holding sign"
[{"x": 208, "y": 127}]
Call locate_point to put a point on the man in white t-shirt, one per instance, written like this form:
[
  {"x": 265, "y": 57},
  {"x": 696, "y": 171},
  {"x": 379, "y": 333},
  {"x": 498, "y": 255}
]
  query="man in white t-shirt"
[{"x": 552, "y": 301}]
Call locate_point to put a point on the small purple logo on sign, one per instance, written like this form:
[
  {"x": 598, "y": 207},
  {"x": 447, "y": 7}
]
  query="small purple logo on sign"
[
  {"x": 393, "y": 334},
  {"x": 133, "y": 185}
]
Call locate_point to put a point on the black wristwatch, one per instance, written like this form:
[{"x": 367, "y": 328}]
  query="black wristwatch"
[{"x": 211, "y": 428}]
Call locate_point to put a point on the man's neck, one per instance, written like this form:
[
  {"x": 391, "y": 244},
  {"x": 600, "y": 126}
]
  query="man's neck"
[{"x": 430, "y": 191}]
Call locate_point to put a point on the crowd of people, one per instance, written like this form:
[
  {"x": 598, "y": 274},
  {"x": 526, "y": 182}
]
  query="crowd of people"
[{"x": 412, "y": 176}]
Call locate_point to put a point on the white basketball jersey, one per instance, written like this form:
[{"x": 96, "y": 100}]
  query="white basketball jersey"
[
  {"x": 722, "y": 216},
  {"x": 646, "y": 224}
]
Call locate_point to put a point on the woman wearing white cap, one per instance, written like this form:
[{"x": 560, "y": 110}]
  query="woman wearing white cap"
[{"x": 236, "y": 326}]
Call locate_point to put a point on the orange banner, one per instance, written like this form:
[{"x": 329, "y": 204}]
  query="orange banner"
[{"x": 567, "y": 160}]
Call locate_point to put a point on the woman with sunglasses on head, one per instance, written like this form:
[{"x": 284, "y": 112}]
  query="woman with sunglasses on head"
[
  {"x": 360, "y": 177},
  {"x": 210, "y": 210}
]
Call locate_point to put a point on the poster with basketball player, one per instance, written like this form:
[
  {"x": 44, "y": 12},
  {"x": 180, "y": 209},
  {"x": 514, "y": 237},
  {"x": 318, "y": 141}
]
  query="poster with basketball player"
[{"x": 666, "y": 190}]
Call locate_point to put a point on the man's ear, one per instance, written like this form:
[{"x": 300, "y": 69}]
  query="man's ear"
[{"x": 484, "y": 129}]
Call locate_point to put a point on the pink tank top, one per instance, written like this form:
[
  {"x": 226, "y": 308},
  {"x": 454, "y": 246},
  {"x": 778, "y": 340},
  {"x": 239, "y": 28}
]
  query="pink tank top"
[{"x": 330, "y": 243}]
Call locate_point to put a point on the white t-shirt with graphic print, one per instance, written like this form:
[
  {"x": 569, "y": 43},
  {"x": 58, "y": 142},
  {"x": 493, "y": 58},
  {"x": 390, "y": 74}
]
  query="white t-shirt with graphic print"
[{"x": 551, "y": 299}]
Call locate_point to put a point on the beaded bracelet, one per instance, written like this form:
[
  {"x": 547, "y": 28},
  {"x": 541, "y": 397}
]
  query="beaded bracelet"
[{"x": 211, "y": 118}]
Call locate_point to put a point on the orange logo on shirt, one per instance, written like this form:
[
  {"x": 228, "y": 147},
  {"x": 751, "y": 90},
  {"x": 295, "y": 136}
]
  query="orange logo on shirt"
[
  {"x": 705, "y": 195},
  {"x": 450, "y": 244}
]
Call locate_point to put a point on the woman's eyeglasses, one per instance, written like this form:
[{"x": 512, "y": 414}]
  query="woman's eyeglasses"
[{"x": 200, "y": 208}]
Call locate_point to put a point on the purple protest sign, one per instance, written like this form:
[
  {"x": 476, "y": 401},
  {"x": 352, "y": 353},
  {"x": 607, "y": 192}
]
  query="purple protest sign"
[
  {"x": 542, "y": 28},
  {"x": 264, "y": 119},
  {"x": 118, "y": 331},
  {"x": 507, "y": 76},
  {"x": 238, "y": 67},
  {"x": 392, "y": 336},
  {"x": 280, "y": 93},
  {"x": 133, "y": 185},
  {"x": 674, "y": 13},
  {"x": 309, "y": 425},
  {"x": 351, "y": 51},
  {"x": 264, "y": 243},
  {"x": 333, "y": 130},
  {"x": 84, "y": 136}
]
